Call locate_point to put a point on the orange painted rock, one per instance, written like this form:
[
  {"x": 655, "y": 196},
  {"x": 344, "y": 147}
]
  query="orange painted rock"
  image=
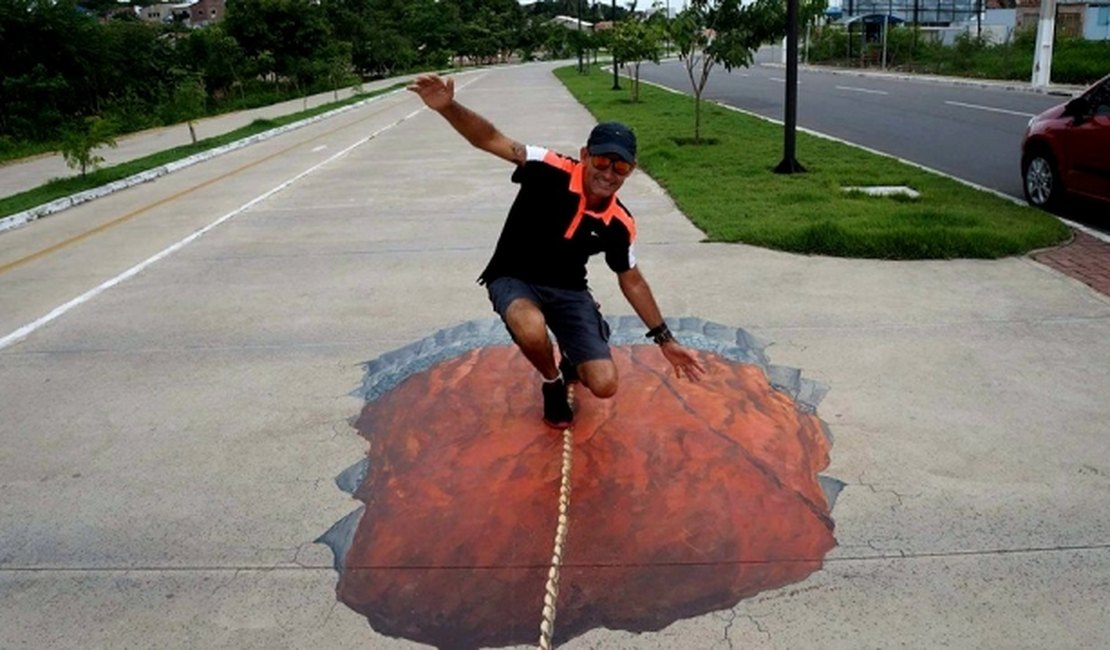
[{"x": 685, "y": 499}]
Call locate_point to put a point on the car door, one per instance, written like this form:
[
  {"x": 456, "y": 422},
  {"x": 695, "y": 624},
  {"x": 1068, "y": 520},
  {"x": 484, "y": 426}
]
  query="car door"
[{"x": 1088, "y": 146}]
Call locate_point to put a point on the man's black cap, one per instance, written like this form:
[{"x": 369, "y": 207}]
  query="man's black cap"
[{"x": 614, "y": 138}]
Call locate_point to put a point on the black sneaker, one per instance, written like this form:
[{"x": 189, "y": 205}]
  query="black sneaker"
[
  {"x": 569, "y": 370},
  {"x": 556, "y": 407}
]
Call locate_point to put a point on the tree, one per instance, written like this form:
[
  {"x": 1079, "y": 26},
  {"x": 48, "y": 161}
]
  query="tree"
[
  {"x": 295, "y": 33},
  {"x": 189, "y": 98},
  {"x": 633, "y": 42},
  {"x": 725, "y": 32},
  {"x": 217, "y": 57},
  {"x": 78, "y": 143}
]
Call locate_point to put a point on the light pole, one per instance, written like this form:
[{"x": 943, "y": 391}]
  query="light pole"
[
  {"x": 581, "y": 68},
  {"x": 790, "y": 164},
  {"x": 612, "y": 32}
]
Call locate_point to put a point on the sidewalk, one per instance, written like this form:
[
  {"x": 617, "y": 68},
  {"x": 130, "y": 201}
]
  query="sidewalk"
[{"x": 170, "y": 446}]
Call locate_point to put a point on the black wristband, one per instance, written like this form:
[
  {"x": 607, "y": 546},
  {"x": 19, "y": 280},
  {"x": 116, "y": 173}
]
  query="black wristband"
[{"x": 660, "y": 334}]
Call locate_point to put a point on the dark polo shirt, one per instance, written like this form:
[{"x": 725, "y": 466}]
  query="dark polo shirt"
[{"x": 549, "y": 235}]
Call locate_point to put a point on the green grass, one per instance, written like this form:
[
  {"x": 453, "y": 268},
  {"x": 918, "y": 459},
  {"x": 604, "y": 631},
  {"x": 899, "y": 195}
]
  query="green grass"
[
  {"x": 62, "y": 187},
  {"x": 728, "y": 189}
]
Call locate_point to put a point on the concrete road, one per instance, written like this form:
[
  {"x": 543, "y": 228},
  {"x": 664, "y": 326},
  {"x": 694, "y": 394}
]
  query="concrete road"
[
  {"x": 168, "y": 441},
  {"x": 20, "y": 175}
]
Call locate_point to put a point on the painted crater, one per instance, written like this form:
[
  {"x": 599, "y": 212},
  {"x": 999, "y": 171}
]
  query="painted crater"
[{"x": 686, "y": 498}]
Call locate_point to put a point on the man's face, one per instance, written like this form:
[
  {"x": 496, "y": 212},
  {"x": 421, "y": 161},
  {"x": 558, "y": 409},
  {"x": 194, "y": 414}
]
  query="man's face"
[{"x": 602, "y": 183}]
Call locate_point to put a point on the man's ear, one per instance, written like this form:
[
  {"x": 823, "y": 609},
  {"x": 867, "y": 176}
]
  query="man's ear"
[{"x": 583, "y": 154}]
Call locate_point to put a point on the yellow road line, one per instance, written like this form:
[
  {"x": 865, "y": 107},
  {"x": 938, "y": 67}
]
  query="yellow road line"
[{"x": 134, "y": 213}]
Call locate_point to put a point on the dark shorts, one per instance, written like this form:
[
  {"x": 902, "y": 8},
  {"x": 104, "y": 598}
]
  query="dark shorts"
[{"x": 573, "y": 316}]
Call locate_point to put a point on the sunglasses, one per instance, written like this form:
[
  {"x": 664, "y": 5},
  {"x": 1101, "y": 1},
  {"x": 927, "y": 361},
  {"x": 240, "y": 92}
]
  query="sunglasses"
[{"x": 620, "y": 167}]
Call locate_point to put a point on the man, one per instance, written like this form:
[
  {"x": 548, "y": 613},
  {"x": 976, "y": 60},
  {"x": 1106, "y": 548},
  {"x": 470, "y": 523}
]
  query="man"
[{"x": 565, "y": 211}]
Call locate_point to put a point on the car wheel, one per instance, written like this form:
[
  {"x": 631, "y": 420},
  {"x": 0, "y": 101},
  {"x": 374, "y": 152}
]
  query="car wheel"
[{"x": 1041, "y": 180}]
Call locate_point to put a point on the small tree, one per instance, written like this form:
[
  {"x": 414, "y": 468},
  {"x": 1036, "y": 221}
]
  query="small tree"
[
  {"x": 339, "y": 67},
  {"x": 727, "y": 32},
  {"x": 633, "y": 42},
  {"x": 78, "y": 144},
  {"x": 189, "y": 99}
]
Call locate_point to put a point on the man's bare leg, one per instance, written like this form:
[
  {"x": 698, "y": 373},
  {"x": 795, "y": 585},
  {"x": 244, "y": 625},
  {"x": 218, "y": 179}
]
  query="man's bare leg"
[
  {"x": 600, "y": 376},
  {"x": 529, "y": 329}
]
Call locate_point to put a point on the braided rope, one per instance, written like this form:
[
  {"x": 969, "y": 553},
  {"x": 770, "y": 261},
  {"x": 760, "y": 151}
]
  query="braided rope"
[{"x": 551, "y": 589}]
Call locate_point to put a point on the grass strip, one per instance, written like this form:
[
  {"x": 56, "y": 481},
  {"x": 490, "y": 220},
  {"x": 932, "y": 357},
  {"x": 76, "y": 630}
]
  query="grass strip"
[
  {"x": 728, "y": 188},
  {"x": 63, "y": 187}
]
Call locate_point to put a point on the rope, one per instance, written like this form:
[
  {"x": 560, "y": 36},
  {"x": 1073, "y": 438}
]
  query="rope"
[{"x": 551, "y": 589}]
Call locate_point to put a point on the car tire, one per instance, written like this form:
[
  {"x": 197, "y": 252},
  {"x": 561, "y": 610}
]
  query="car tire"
[{"x": 1041, "y": 180}]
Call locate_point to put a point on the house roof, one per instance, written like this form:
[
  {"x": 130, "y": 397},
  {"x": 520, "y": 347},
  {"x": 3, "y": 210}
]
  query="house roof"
[{"x": 570, "y": 22}]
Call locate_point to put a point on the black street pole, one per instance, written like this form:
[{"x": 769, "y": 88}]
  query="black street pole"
[
  {"x": 581, "y": 68},
  {"x": 790, "y": 164},
  {"x": 612, "y": 26}
]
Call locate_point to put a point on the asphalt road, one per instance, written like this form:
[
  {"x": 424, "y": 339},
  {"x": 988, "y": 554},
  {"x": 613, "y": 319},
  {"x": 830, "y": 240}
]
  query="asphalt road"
[{"x": 969, "y": 132}]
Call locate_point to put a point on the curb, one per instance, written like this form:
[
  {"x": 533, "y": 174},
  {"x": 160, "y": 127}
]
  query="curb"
[{"x": 27, "y": 216}]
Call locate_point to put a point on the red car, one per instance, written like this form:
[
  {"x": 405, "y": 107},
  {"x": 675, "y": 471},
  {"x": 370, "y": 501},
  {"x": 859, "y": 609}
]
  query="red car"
[{"x": 1066, "y": 150}]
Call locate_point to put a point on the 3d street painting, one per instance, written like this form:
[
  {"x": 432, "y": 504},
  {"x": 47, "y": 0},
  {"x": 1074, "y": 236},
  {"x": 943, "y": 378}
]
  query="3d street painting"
[{"x": 684, "y": 498}]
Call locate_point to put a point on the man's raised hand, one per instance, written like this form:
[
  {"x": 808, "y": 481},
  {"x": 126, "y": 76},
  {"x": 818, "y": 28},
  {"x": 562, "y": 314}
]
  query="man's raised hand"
[{"x": 436, "y": 92}]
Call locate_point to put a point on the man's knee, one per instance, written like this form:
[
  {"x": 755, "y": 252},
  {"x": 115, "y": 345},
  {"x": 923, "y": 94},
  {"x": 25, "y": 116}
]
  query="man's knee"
[
  {"x": 526, "y": 322},
  {"x": 600, "y": 377}
]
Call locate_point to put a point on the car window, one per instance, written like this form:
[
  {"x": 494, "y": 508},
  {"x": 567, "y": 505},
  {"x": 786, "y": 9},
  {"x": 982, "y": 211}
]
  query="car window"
[{"x": 1099, "y": 99}]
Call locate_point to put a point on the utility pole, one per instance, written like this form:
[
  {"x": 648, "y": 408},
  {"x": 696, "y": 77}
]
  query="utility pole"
[
  {"x": 613, "y": 27},
  {"x": 1042, "y": 55}
]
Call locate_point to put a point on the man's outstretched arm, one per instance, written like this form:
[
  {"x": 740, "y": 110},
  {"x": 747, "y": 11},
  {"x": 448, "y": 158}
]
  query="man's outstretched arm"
[
  {"x": 636, "y": 290},
  {"x": 439, "y": 95}
]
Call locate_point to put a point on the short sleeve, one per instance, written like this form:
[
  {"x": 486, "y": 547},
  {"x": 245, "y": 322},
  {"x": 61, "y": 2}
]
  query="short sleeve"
[{"x": 620, "y": 254}]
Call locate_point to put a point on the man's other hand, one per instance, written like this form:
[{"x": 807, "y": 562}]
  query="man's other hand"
[
  {"x": 684, "y": 360},
  {"x": 436, "y": 92}
]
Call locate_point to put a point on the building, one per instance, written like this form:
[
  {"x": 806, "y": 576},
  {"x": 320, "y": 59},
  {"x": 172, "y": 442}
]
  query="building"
[
  {"x": 1089, "y": 19},
  {"x": 165, "y": 13},
  {"x": 204, "y": 12},
  {"x": 193, "y": 14}
]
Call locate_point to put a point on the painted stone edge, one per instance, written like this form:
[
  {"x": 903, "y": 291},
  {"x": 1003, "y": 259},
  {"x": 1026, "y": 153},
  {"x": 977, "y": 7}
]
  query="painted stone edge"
[{"x": 390, "y": 369}]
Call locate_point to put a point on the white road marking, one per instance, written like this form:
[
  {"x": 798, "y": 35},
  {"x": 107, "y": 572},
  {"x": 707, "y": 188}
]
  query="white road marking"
[
  {"x": 989, "y": 108},
  {"x": 778, "y": 79},
  {"x": 138, "y": 268},
  {"x": 320, "y": 148},
  {"x": 863, "y": 90}
]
